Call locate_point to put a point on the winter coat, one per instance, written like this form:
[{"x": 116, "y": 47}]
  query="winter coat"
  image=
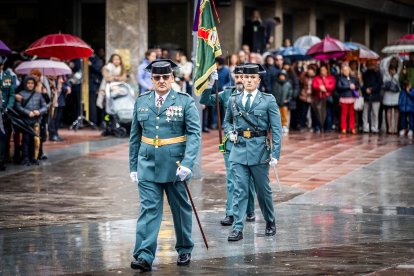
[
  {"x": 406, "y": 100},
  {"x": 282, "y": 91},
  {"x": 306, "y": 88},
  {"x": 269, "y": 77},
  {"x": 30, "y": 103},
  {"x": 372, "y": 79},
  {"x": 343, "y": 86},
  {"x": 409, "y": 74},
  {"x": 329, "y": 83}
]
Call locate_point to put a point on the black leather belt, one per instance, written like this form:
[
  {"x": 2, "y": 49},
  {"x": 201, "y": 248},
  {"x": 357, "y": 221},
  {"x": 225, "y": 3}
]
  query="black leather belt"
[{"x": 251, "y": 134}]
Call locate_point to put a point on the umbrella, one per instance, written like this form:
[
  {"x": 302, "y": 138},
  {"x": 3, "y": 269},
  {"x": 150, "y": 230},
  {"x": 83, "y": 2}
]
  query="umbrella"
[
  {"x": 4, "y": 50},
  {"x": 328, "y": 48},
  {"x": 47, "y": 67},
  {"x": 294, "y": 53},
  {"x": 16, "y": 121},
  {"x": 403, "y": 45},
  {"x": 360, "y": 51},
  {"x": 306, "y": 41},
  {"x": 62, "y": 46}
]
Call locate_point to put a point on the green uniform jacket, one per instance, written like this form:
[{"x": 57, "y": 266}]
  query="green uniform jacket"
[
  {"x": 264, "y": 113},
  {"x": 159, "y": 164},
  {"x": 210, "y": 99}
]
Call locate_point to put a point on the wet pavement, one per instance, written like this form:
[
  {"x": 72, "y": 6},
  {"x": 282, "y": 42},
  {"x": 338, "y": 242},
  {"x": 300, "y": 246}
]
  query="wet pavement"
[{"x": 347, "y": 207}]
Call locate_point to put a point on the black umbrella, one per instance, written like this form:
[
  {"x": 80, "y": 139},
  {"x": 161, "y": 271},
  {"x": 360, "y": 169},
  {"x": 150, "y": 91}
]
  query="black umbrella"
[{"x": 19, "y": 123}]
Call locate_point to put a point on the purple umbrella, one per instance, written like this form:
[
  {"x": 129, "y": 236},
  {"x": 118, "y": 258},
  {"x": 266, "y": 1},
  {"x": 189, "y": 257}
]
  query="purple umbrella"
[
  {"x": 4, "y": 50},
  {"x": 47, "y": 67},
  {"x": 328, "y": 48}
]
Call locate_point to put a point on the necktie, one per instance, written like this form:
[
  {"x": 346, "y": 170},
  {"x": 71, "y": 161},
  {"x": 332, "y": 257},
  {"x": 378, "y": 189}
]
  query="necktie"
[
  {"x": 248, "y": 103},
  {"x": 160, "y": 100}
]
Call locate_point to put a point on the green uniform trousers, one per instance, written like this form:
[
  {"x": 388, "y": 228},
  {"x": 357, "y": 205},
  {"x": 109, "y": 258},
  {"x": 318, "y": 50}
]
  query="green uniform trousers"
[
  {"x": 242, "y": 175},
  {"x": 230, "y": 189},
  {"x": 149, "y": 221}
]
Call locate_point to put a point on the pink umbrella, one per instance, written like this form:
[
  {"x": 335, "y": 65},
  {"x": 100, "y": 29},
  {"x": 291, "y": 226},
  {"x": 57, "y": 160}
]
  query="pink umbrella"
[
  {"x": 46, "y": 66},
  {"x": 328, "y": 48}
]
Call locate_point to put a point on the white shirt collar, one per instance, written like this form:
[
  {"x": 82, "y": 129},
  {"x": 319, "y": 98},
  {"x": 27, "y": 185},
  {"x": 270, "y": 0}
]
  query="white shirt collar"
[
  {"x": 164, "y": 97},
  {"x": 254, "y": 93}
]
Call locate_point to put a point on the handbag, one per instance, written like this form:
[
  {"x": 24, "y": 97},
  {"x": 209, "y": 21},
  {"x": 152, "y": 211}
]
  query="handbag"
[{"x": 359, "y": 104}]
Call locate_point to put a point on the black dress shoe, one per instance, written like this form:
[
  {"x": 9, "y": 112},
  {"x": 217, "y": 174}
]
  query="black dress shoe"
[
  {"x": 26, "y": 162},
  {"x": 184, "y": 259},
  {"x": 206, "y": 130},
  {"x": 227, "y": 221},
  {"x": 60, "y": 138},
  {"x": 140, "y": 264},
  {"x": 270, "y": 228},
  {"x": 235, "y": 236},
  {"x": 250, "y": 217},
  {"x": 2, "y": 167}
]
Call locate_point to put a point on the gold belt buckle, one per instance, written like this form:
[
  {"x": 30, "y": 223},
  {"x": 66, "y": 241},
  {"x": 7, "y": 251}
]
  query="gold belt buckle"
[
  {"x": 156, "y": 142},
  {"x": 246, "y": 133}
]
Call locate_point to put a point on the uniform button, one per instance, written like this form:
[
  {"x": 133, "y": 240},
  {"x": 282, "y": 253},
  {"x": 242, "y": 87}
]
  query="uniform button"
[
  {"x": 157, "y": 127},
  {"x": 158, "y": 118}
]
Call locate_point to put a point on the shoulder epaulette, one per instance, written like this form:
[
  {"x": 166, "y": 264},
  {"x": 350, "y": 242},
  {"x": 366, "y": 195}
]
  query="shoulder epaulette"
[
  {"x": 146, "y": 93},
  {"x": 183, "y": 93}
]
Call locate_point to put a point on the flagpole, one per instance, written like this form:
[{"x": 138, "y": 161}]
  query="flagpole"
[
  {"x": 197, "y": 169},
  {"x": 218, "y": 117}
]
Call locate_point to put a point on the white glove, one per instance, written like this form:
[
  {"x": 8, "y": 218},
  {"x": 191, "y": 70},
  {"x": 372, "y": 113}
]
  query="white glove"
[
  {"x": 134, "y": 176},
  {"x": 213, "y": 78},
  {"x": 232, "y": 136},
  {"x": 273, "y": 162},
  {"x": 183, "y": 172}
]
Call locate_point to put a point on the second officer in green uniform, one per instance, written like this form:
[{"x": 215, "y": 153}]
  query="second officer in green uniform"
[
  {"x": 165, "y": 129},
  {"x": 210, "y": 99},
  {"x": 250, "y": 116}
]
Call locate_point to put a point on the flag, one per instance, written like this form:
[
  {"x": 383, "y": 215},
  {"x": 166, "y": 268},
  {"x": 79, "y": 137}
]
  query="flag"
[{"x": 208, "y": 46}]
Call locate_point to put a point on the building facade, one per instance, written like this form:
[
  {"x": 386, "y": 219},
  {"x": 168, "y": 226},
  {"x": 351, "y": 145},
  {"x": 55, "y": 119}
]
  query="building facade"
[{"x": 132, "y": 26}]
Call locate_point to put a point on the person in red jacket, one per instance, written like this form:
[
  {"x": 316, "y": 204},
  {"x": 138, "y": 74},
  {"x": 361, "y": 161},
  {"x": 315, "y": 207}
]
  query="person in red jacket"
[{"x": 323, "y": 86}]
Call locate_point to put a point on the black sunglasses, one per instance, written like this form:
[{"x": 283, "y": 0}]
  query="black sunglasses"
[{"x": 164, "y": 77}]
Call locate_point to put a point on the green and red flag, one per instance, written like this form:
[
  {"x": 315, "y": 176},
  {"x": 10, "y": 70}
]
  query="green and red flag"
[{"x": 208, "y": 45}]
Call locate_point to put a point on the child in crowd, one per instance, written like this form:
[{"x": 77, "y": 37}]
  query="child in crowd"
[{"x": 406, "y": 105}]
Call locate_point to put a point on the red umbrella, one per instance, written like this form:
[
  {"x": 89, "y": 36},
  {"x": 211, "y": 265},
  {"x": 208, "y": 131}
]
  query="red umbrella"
[
  {"x": 62, "y": 46},
  {"x": 328, "y": 48}
]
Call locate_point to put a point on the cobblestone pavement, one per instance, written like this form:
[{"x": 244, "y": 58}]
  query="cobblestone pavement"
[{"x": 346, "y": 207}]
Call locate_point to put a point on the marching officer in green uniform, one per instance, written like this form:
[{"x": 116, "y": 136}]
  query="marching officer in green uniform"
[
  {"x": 210, "y": 99},
  {"x": 250, "y": 116},
  {"x": 165, "y": 129}
]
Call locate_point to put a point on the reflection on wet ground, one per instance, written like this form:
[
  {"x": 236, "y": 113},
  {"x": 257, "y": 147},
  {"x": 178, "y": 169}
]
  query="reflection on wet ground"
[{"x": 78, "y": 216}]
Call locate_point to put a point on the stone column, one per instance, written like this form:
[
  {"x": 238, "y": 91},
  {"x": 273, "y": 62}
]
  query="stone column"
[
  {"x": 304, "y": 22},
  {"x": 396, "y": 30},
  {"x": 335, "y": 26},
  {"x": 360, "y": 31},
  {"x": 127, "y": 31},
  {"x": 230, "y": 28}
]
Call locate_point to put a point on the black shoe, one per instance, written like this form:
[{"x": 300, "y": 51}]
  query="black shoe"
[
  {"x": 184, "y": 259},
  {"x": 60, "y": 138},
  {"x": 140, "y": 264},
  {"x": 54, "y": 138},
  {"x": 35, "y": 162},
  {"x": 26, "y": 162},
  {"x": 42, "y": 157},
  {"x": 2, "y": 167},
  {"x": 250, "y": 217},
  {"x": 206, "y": 130},
  {"x": 227, "y": 221},
  {"x": 235, "y": 236},
  {"x": 270, "y": 228}
]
